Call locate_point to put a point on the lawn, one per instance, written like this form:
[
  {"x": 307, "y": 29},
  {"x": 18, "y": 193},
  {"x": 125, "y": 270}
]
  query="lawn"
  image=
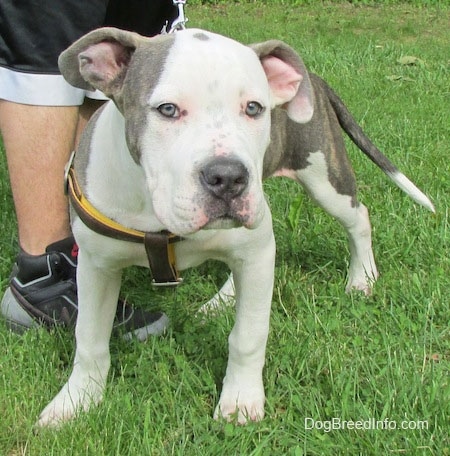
[{"x": 337, "y": 364}]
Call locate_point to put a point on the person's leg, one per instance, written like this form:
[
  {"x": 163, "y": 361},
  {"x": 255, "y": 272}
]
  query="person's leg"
[
  {"x": 38, "y": 141},
  {"x": 40, "y": 120}
]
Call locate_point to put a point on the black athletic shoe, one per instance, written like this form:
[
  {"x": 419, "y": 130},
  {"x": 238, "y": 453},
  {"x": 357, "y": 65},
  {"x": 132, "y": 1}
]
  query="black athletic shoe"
[{"x": 43, "y": 292}]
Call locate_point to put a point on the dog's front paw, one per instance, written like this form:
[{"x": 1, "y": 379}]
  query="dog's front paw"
[
  {"x": 70, "y": 400},
  {"x": 238, "y": 404}
]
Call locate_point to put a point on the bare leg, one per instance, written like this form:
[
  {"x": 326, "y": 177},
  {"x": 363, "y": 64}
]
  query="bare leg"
[{"x": 38, "y": 141}]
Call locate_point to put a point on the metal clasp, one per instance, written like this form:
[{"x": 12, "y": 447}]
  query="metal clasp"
[
  {"x": 180, "y": 22},
  {"x": 167, "y": 284},
  {"x": 66, "y": 173}
]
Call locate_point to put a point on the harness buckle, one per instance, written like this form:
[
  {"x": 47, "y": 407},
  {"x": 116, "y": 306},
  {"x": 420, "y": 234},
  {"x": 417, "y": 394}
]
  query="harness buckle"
[{"x": 171, "y": 284}]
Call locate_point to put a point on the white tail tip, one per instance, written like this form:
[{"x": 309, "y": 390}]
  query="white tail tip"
[{"x": 411, "y": 190}]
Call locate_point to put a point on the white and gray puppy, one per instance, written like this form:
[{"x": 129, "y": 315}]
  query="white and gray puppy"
[{"x": 196, "y": 122}]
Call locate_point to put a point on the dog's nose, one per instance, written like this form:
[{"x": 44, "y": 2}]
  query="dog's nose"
[{"x": 225, "y": 178}]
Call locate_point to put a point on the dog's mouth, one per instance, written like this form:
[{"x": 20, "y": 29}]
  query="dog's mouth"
[
  {"x": 207, "y": 214},
  {"x": 227, "y": 215},
  {"x": 224, "y": 222}
]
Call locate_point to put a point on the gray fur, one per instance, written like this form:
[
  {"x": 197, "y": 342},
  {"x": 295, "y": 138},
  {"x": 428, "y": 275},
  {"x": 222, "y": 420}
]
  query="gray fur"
[
  {"x": 292, "y": 143},
  {"x": 142, "y": 76}
]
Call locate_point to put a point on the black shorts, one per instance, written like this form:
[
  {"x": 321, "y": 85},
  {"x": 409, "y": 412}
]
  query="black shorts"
[{"x": 34, "y": 32}]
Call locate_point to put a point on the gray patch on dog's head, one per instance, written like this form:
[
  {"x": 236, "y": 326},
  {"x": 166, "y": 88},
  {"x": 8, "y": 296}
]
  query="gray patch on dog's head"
[
  {"x": 201, "y": 36},
  {"x": 142, "y": 77}
]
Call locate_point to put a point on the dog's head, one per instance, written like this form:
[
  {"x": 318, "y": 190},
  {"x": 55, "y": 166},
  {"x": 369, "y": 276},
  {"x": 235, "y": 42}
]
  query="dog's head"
[{"x": 197, "y": 115}]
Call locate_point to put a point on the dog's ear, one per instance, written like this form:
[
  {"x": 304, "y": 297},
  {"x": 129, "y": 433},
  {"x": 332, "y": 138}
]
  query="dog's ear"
[
  {"x": 99, "y": 60},
  {"x": 288, "y": 79}
]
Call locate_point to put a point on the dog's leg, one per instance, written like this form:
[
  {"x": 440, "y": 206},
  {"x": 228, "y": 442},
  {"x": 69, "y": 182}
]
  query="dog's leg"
[
  {"x": 352, "y": 215},
  {"x": 362, "y": 272},
  {"x": 97, "y": 306},
  {"x": 242, "y": 396},
  {"x": 223, "y": 298}
]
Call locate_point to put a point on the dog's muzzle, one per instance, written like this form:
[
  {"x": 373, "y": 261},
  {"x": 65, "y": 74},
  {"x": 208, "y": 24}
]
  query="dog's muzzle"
[{"x": 225, "y": 183}]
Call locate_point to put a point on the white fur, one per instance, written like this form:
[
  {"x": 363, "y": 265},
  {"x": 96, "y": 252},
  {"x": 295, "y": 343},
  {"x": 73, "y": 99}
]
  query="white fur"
[
  {"x": 214, "y": 128},
  {"x": 410, "y": 189},
  {"x": 164, "y": 193}
]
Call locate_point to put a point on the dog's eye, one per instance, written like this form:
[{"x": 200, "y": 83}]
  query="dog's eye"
[
  {"x": 169, "y": 110},
  {"x": 254, "y": 109}
]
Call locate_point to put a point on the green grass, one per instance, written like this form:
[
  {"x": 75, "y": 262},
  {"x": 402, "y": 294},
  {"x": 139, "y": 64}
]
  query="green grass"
[{"x": 329, "y": 354}]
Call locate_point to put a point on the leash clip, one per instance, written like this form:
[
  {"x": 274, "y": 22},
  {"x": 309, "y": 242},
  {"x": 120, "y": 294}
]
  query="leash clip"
[{"x": 180, "y": 22}]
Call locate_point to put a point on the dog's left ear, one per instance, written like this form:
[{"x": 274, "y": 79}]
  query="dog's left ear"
[{"x": 288, "y": 79}]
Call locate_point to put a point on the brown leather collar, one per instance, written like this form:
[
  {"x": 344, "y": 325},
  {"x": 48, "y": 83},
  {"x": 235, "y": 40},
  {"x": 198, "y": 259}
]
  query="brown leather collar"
[{"x": 159, "y": 246}]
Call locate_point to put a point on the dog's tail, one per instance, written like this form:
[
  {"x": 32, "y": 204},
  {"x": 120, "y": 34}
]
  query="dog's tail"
[{"x": 357, "y": 135}]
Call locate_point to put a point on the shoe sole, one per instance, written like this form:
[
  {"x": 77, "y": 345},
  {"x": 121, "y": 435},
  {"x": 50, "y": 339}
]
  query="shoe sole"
[{"x": 17, "y": 319}]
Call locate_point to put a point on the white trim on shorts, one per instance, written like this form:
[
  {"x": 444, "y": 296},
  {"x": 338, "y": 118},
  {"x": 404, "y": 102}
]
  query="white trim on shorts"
[{"x": 42, "y": 89}]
